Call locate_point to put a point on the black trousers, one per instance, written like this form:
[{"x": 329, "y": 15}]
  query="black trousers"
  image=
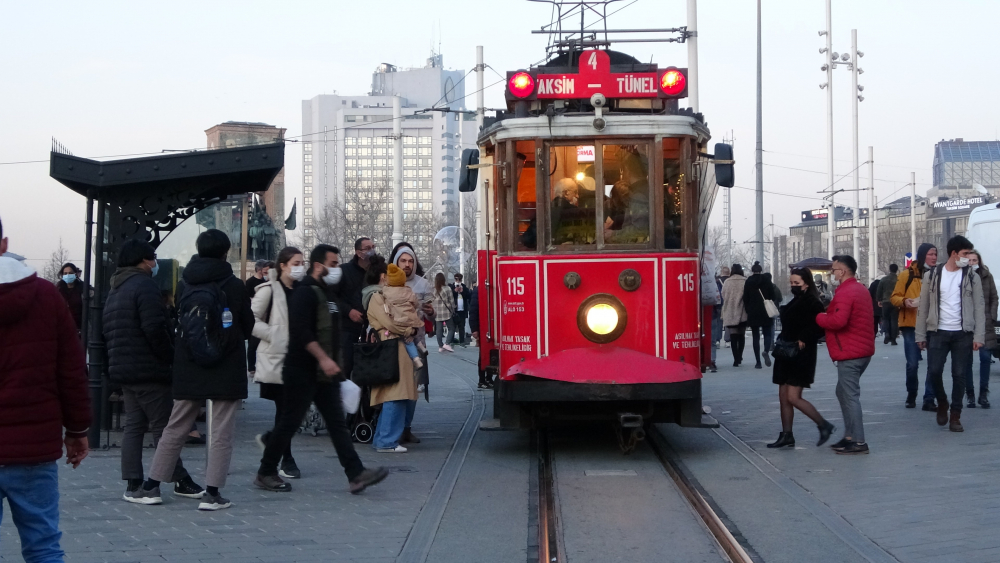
[
  {"x": 738, "y": 340},
  {"x": 890, "y": 321},
  {"x": 459, "y": 320},
  {"x": 348, "y": 337},
  {"x": 300, "y": 390},
  {"x": 252, "y": 344},
  {"x": 940, "y": 343},
  {"x": 279, "y": 408}
]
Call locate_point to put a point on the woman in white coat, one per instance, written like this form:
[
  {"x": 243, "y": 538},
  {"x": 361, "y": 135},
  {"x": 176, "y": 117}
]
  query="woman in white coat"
[{"x": 270, "y": 311}]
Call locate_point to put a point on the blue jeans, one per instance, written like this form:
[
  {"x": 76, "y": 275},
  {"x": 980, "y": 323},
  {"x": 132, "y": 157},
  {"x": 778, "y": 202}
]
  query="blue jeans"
[
  {"x": 985, "y": 359},
  {"x": 390, "y": 424},
  {"x": 32, "y": 491},
  {"x": 411, "y": 350},
  {"x": 912, "y": 353}
]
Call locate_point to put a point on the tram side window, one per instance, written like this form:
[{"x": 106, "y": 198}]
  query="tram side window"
[
  {"x": 626, "y": 194},
  {"x": 572, "y": 195},
  {"x": 526, "y": 236},
  {"x": 673, "y": 191}
]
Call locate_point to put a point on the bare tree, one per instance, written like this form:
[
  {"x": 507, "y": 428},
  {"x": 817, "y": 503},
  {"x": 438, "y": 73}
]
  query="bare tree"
[
  {"x": 53, "y": 268},
  {"x": 364, "y": 212},
  {"x": 471, "y": 207}
]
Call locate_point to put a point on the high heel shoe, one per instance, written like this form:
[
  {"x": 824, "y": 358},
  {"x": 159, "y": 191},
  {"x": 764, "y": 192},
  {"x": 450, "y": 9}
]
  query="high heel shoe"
[
  {"x": 784, "y": 439},
  {"x": 825, "y": 430}
]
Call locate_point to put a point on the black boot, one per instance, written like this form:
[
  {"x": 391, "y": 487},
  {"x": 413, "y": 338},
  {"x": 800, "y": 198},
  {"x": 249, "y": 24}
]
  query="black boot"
[
  {"x": 983, "y": 401},
  {"x": 825, "y": 430},
  {"x": 784, "y": 439},
  {"x": 971, "y": 396},
  {"x": 911, "y": 400}
]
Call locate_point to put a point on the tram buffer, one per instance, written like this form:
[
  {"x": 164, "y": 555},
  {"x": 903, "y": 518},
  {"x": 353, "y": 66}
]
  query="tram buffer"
[{"x": 598, "y": 189}]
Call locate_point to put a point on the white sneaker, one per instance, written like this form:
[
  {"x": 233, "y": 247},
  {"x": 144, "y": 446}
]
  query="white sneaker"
[{"x": 396, "y": 450}]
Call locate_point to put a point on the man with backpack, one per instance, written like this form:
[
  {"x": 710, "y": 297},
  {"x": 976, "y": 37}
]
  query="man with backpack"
[
  {"x": 951, "y": 319},
  {"x": 311, "y": 375},
  {"x": 214, "y": 319},
  {"x": 140, "y": 354}
]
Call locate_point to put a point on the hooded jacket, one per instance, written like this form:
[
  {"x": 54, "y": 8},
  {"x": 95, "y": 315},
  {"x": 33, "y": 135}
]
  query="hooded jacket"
[
  {"x": 972, "y": 306},
  {"x": 227, "y": 380},
  {"x": 906, "y": 289},
  {"x": 270, "y": 311},
  {"x": 850, "y": 333},
  {"x": 43, "y": 378},
  {"x": 137, "y": 330}
]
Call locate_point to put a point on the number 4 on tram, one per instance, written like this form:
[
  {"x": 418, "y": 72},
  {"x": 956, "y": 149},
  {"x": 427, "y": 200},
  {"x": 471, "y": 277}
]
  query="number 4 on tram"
[{"x": 594, "y": 196}]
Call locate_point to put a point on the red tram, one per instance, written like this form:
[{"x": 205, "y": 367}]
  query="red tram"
[{"x": 594, "y": 199}]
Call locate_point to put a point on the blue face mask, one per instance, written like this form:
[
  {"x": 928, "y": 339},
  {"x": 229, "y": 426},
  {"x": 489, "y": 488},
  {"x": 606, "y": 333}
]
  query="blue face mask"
[
  {"x": 69, "y": 278},
  {"x": 156, "y": 268}
]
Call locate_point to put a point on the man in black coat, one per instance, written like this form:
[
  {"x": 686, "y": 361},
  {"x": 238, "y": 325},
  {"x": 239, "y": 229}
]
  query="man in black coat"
[
  {"x": 140, "y": 353},
  {"x": 311, "y": 375},
  {"x": 352, "y": 312},
  {"x": 461, "y": 296},
  {"x": 223, "y": 382}
]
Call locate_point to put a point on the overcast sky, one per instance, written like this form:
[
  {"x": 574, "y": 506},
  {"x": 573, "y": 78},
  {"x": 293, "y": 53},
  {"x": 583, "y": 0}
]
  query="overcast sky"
[{"x": 113, "y": 78}]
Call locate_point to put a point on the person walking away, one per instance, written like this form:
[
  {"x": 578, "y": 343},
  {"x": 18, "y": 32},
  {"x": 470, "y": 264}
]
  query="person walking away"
[
  {"x": 270, "y": 311},
  {"x": 395, "y": 398},
  {"x": 951, "y": 320},
  {"x": 755, "y": 291},
  {"x": 71, "y": 288},
  {"x": 311, "y": 375},
  {"x": 986, "y": 352},
  {"x": 461, "y": 295},
  {"x": 906, "y": 298},
  {"x": 140, "y": 357},
  {"x": 722, "y": 277},
  {"x": 776, "y": 296},
  {"x": 890, "y": 314},
  {"x": 259, "y": 277},
  {"x": 444, "y": 310},
  {"x": 792, "y": 375},
  {"x": 214, "y": 320},
  {"x": 43, "y": 390},
  {"x": 349, "y": 306},
  {"x": 851, "y": 343},
  {"x": 401, "y": 305},
  {"x": 734, "y": 315},
  {"x": 717, "y": 328},
  {"x": 876, "y": 309}
]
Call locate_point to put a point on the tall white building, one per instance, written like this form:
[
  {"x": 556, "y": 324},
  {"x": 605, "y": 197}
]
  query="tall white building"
[{"x": 347, "y": 144}]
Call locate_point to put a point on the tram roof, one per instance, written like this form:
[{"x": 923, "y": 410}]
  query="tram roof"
[{"x": 582, "y": 126}]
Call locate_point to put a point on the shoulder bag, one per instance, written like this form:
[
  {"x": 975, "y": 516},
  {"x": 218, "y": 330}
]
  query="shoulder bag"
[
  {"x": 769, "y": 306},
  {"x": 376, "y": 363}
]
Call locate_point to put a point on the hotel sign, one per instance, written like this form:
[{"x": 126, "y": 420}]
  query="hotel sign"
[{"x": 950, "y": 205}]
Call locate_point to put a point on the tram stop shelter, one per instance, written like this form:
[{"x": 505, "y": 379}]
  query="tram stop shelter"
[{"x": 148, "y": 198}]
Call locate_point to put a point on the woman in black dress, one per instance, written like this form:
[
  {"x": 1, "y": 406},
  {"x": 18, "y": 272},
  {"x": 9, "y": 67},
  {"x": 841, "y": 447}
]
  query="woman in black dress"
[{"x": 798, "y": 326}]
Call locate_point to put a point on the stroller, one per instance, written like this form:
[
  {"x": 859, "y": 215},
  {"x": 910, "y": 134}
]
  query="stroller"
[{"x": 361, "y": 424}]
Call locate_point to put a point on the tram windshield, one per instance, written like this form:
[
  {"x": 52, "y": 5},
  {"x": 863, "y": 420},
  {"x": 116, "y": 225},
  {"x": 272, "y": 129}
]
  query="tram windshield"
[
  {"x": 626, "y": 189},
  {"x": 572, "y": 201}
]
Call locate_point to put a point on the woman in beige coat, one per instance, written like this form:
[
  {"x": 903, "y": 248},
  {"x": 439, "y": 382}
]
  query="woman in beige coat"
[
  {"x": 734, "y": 314},
  {"x": 270, "y": 311},
  {"x": 394, "y": 398}
]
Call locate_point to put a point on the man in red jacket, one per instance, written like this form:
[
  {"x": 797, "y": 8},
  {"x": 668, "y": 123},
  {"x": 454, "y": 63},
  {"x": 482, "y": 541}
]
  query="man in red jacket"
[
  {"x": 850, "y": 338},
  {"x": 43, "y": 389}
]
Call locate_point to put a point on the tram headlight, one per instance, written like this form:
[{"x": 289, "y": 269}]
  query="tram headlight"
[{"x": 602, "y": 318}]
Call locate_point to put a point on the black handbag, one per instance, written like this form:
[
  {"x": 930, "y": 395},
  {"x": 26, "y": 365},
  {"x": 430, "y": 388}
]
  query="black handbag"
[
  {"x": 784, "y": 349},
  {"x": 376, "y": 363}
]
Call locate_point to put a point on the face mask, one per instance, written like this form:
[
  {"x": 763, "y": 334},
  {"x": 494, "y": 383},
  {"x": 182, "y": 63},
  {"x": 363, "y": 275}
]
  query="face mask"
[
  {"x": 834, "y": 282},
  {"x": 156, "y": 268},
  {"x": 975, "y": 267},
  {"x": 69, "y": 278},
  {"x": 798, "y": 290},
  {"x": 297, "y": 273},
  {"x": 962, "y": 261},
  {"x": 369, "y": 254},
  {"x": 332, "y": 276}
]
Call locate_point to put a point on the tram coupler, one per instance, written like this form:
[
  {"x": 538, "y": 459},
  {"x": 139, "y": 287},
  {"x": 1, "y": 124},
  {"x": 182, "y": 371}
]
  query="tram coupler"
[{"x": 629, "y": 420}]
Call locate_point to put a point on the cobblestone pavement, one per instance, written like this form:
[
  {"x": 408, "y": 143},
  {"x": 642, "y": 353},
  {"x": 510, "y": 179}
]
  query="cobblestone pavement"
[
  {"x": 923, "y": 494},
  {"x": 318, "y": 521}
]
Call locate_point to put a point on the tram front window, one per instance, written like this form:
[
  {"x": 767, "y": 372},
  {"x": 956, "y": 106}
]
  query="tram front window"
[
  {"x": 673, "y": 189},
  {"x": 526, "y": 236},
  {"x": 626, "y": 191},
  {"x": 572, "y": 196}
]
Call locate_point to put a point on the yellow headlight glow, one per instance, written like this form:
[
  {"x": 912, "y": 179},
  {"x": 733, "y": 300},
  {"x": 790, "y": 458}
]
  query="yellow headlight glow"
[{"x": 602, "y": 318}]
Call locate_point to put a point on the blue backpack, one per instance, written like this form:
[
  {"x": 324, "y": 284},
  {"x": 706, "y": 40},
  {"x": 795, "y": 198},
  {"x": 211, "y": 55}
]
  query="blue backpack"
[{"x": 199, "y": 315}]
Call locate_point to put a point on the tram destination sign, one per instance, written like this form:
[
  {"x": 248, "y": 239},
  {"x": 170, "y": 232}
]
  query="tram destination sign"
[{"x": 595, "y": 77}]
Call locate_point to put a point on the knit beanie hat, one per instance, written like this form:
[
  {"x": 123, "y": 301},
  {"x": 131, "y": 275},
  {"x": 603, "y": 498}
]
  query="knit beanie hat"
[{"x": 396, "y": 276}]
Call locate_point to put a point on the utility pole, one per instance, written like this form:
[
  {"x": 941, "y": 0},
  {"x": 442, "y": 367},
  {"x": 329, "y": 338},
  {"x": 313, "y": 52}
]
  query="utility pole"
[
  {"x": 913, "y": 215},
  {"x": 397, "y": 170},
  {"x": 872, "y": 218},
  {"x": 831, "y": 224},
  {"x": 692, "y": 45},
  {"x": 461, "y": 201},
  {"x": 480, "y": 115},
  {"x": 760, "y": 152},
  {"x": 856, "y": 216}
]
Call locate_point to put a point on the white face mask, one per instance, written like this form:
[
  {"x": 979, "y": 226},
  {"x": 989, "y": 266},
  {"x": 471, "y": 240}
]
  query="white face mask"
[
  {"x": 297, "y": 273},
  {"x": 975, "y": 267},
  {"x": 332, "y": 276},
  {"x": 962, "y": 261}
]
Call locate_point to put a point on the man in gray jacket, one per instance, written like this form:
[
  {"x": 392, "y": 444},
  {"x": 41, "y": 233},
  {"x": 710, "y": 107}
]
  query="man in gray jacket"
[{"x": 951, "y": 319}]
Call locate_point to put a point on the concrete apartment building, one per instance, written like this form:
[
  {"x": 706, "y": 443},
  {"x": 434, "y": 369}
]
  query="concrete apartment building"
[{"x": 347, "y": 146}]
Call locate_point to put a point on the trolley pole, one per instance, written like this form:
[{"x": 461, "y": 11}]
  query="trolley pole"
[
  {"x": 397, "y": 171},
  {"x": 831, "y": 224},
  {"x": 872, "y": 219},
  {"x": 461, "y": 203},
  {"x": 692, "y": 44},
  {"x": 760, "y": 152},
  {"x": 913, "y": 215},
  {"x": 480, "y": 115},
  {"x": 856, "y": 216}
]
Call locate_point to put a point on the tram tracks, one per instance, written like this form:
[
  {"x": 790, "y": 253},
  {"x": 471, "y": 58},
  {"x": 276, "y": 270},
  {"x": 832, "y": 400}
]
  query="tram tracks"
[{"x": 545, "y": 532}]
